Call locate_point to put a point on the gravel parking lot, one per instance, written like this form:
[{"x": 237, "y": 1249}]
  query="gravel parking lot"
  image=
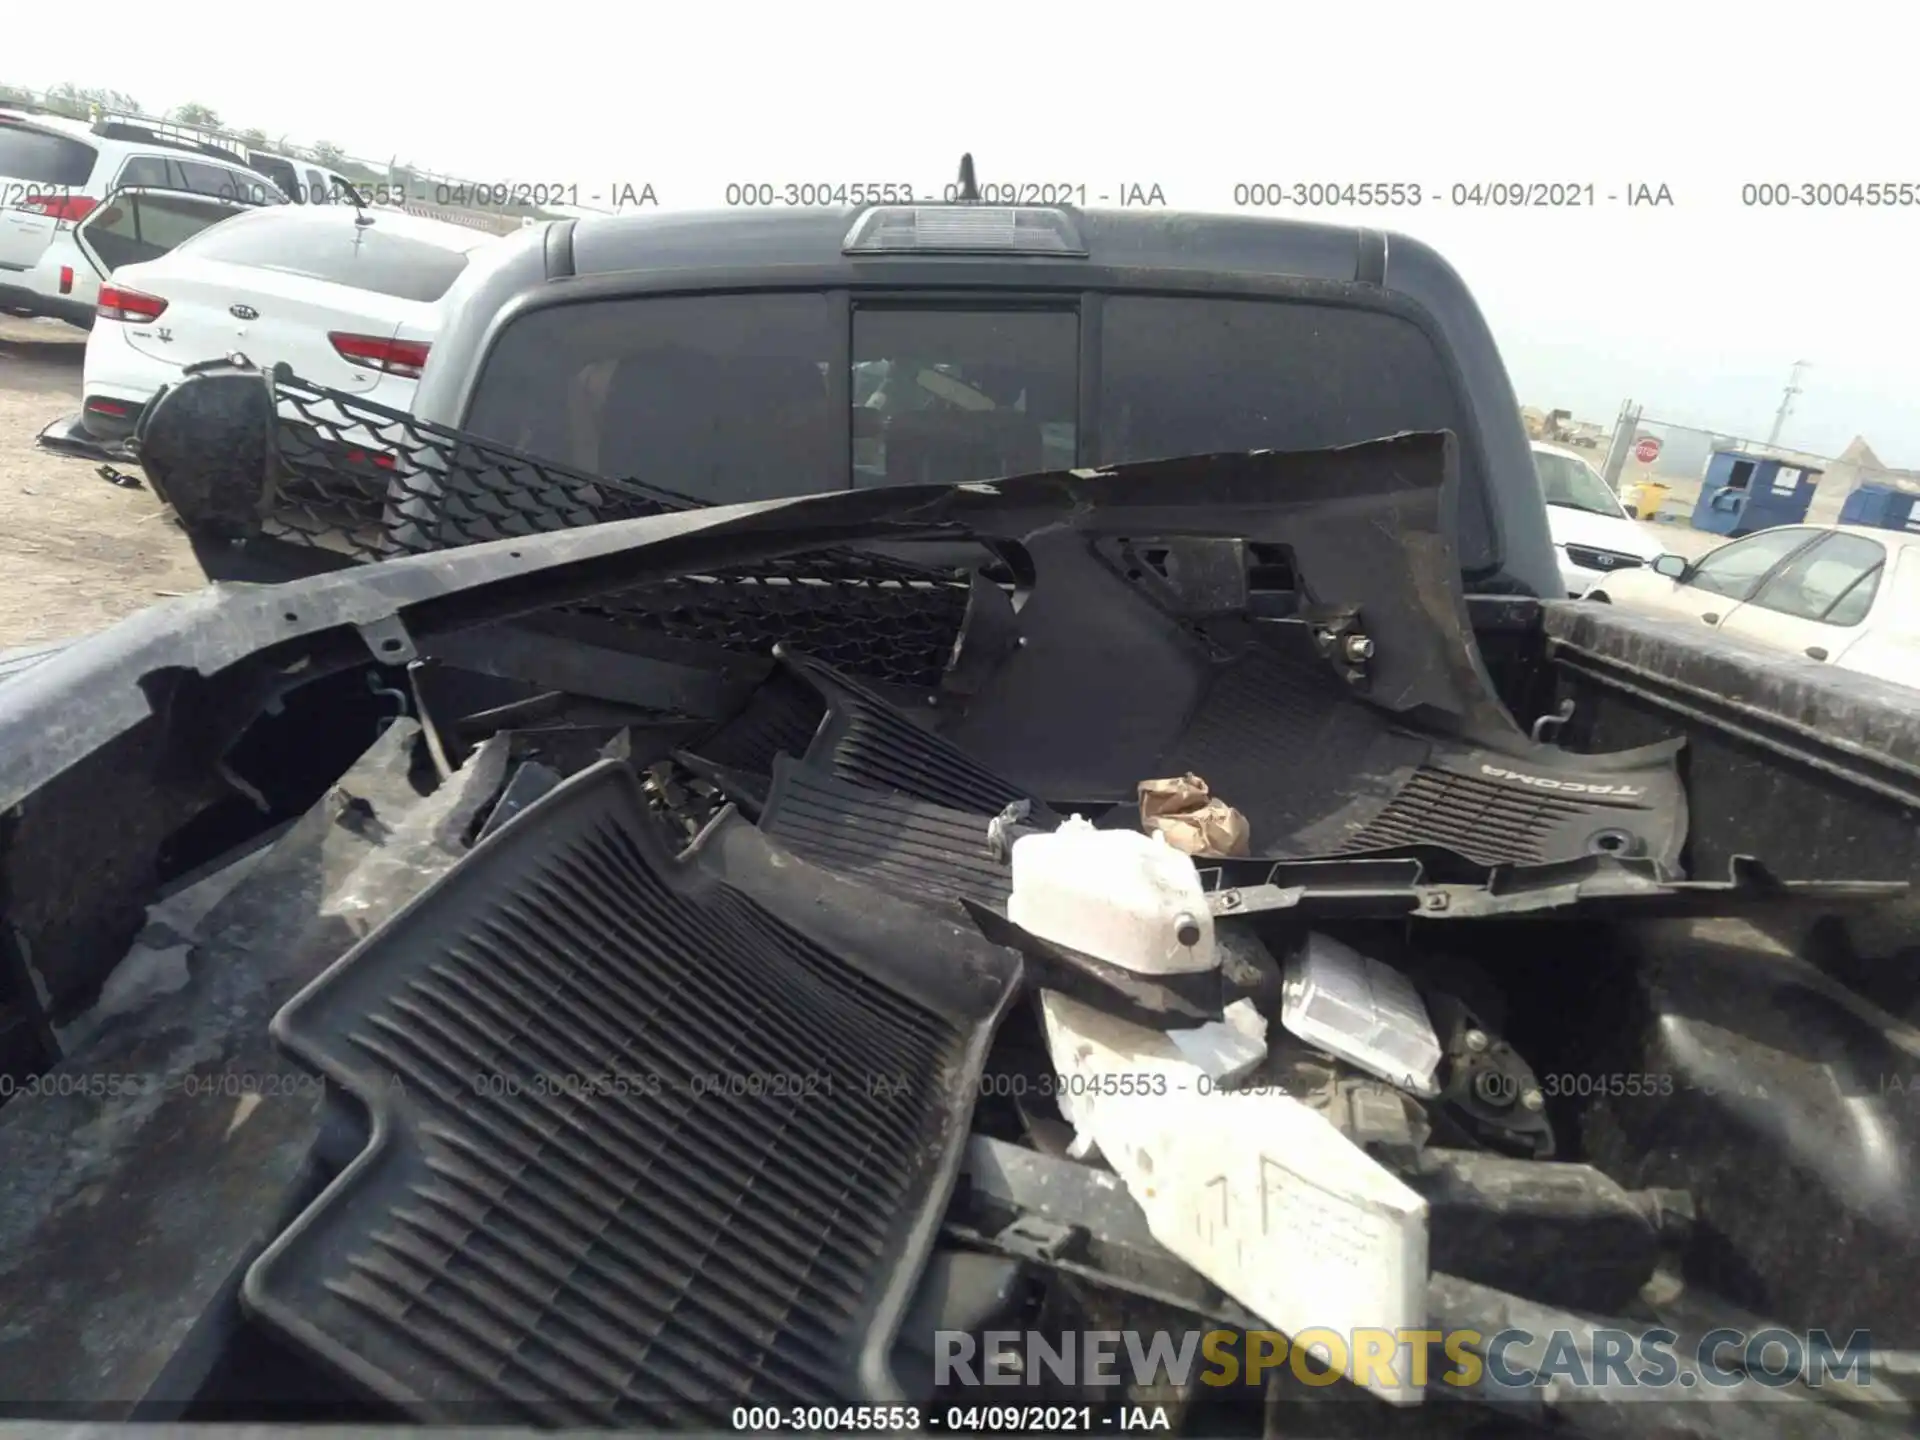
[{"x": 76, "y": 553}]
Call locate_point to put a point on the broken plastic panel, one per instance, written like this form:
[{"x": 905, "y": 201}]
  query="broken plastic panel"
[
  {"x": 1366, "y": 1013},
  {"x": 1228, "y": 1049},
  {"x": 1130, "y": 899},
  {"x": 1257, "y": 1191}
]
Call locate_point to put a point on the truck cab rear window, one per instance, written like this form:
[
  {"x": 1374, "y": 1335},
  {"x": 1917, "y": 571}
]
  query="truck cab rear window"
[
  {"x": 722, "y": 397},
  {"x": 1180, "y": 376},
  {"x": 730, "y": 397},
  {"x": 941, "y": 396}
]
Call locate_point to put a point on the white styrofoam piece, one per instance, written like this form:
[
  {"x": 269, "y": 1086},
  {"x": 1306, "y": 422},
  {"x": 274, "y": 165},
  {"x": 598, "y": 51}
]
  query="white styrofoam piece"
[
  {"x": 1227, "y": 1049},
  {"x": 1256, "y": 1190},
  {"x": 1116, "y": 895},
  {"x": 1365, "y": 1012}
]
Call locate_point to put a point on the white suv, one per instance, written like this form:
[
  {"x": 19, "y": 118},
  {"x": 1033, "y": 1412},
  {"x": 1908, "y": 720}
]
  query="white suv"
[{"x": 55, "y": 171}]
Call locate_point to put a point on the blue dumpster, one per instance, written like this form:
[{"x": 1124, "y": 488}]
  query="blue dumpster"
[
  {"x": 1744, "y": 493},
  {"x": 1885, "y": 507}
]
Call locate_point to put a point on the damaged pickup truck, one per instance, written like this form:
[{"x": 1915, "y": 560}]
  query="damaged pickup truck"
[{"x": 769, "y": 835}]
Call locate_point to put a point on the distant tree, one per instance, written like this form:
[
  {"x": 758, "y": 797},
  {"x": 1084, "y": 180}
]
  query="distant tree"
[
  {"x": 327, "y": 153},
  {"x": 67, "y": 100},
  {"x": 108, "y": 99},
  {"x": 254, "y": 139},
  {"x": 203, "y": 116}
]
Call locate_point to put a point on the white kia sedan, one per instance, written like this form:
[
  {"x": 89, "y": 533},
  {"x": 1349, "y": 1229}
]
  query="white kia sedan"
[
  {"x": 348, "y": 299},
  {"x": 1591, "y": 529},
  {"x": 1845, "y": 594}
]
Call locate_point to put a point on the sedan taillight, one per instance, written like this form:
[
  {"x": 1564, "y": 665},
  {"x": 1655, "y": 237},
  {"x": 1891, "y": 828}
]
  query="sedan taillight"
[
  {"x": 118, "y": 304},
  {"x": 394, "y": 357}
]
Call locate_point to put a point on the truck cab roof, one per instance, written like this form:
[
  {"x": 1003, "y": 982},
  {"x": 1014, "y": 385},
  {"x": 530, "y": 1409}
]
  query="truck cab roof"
[{"x": 1173, "y": 332}]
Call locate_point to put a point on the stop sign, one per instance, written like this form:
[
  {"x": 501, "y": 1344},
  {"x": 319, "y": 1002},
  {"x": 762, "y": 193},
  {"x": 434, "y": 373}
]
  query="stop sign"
[{"x": 1647, "y": 450}]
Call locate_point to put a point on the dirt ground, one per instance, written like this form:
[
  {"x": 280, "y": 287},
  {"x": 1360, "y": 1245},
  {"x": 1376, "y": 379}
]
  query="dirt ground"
[{"x": 76, "y": 553}]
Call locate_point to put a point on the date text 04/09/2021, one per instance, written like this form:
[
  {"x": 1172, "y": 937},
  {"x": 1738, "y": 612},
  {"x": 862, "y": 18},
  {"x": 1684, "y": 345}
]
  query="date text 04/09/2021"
[
  {"x": 1474, "y": 195},
  {"x": 217, "y": 1084},
  {"x": 964, "y": 1419},
  {"x": 510, "y": 195}
]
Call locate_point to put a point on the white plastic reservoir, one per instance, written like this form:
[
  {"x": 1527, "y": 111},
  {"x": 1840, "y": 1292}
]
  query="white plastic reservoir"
[{"x": 1117, "y": 895}]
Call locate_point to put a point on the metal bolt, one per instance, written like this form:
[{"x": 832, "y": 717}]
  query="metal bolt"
[
  {"x": 1359, "y": 648},
  {"x": 1477, "y": 1041},
  {"x": 1186, "y": 930},
  {"x": 1230, "y": 900},
  {"x": 1438, "y": 900},
  {"x": 1533, "y": 1100}
]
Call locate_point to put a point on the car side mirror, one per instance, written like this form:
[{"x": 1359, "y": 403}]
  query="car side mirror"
[{"x": 1674, "y": 567}]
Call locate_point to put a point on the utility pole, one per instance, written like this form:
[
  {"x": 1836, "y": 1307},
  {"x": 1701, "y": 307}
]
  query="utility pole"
[
  {"x": 1624, "y": 430},
  {"x": 1786, "y": 402}
]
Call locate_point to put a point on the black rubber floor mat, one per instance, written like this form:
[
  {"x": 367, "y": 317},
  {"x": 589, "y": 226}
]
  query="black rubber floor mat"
[
  {"x": 1276, "y": 737},
  {"x": 782, "y": 717},
  {"x": 904, "y": 844},
  {"x": 1496, "y": 810},
  {"x": 651, "y": 1137},
  {"x": 1318, "y": 772},
  {"x": 867, "y": 740}
]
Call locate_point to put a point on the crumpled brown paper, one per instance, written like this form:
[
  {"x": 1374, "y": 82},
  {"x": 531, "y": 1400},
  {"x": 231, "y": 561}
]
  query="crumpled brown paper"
[{"x": 1185, "y": 811}]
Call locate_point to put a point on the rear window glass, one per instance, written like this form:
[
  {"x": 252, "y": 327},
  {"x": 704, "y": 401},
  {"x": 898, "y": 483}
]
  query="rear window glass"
[
  {"x": 44, "y": 157},
  {"x": 724, "y": 398},
  {"x": 137, "y": 226},
  {"x": 149, "y": 170},
  {"x": 218, "y": 180},
  {"x": 280, "y": 171},
  {"x": 732, "y": 397},
  {"x": 365, "y": 257},
  {"x": 941, "y": 396},
  {"x": 1180, "y": 376}
]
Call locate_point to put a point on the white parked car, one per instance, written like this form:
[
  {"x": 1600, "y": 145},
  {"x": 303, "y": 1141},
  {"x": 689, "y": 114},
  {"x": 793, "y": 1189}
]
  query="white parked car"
[
  {"x": 348, "y": 300},
  {"x": 1845, "y": 594},
  {"x": 1591, "y": 528},
  {"x": 55, "y": 173}
]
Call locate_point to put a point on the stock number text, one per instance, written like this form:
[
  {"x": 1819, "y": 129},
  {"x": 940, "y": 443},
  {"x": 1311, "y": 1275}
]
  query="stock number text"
[
  {"x": 1823, "y": 194},
  {"x": 818, "y": 193},
  {"x": 819, "y": 1419},
  {"x": 1272, "y": 194}
]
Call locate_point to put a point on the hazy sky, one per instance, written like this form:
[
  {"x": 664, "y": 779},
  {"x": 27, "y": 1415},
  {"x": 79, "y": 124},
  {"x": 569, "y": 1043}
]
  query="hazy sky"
[{"x": 1697, "y": 310}]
